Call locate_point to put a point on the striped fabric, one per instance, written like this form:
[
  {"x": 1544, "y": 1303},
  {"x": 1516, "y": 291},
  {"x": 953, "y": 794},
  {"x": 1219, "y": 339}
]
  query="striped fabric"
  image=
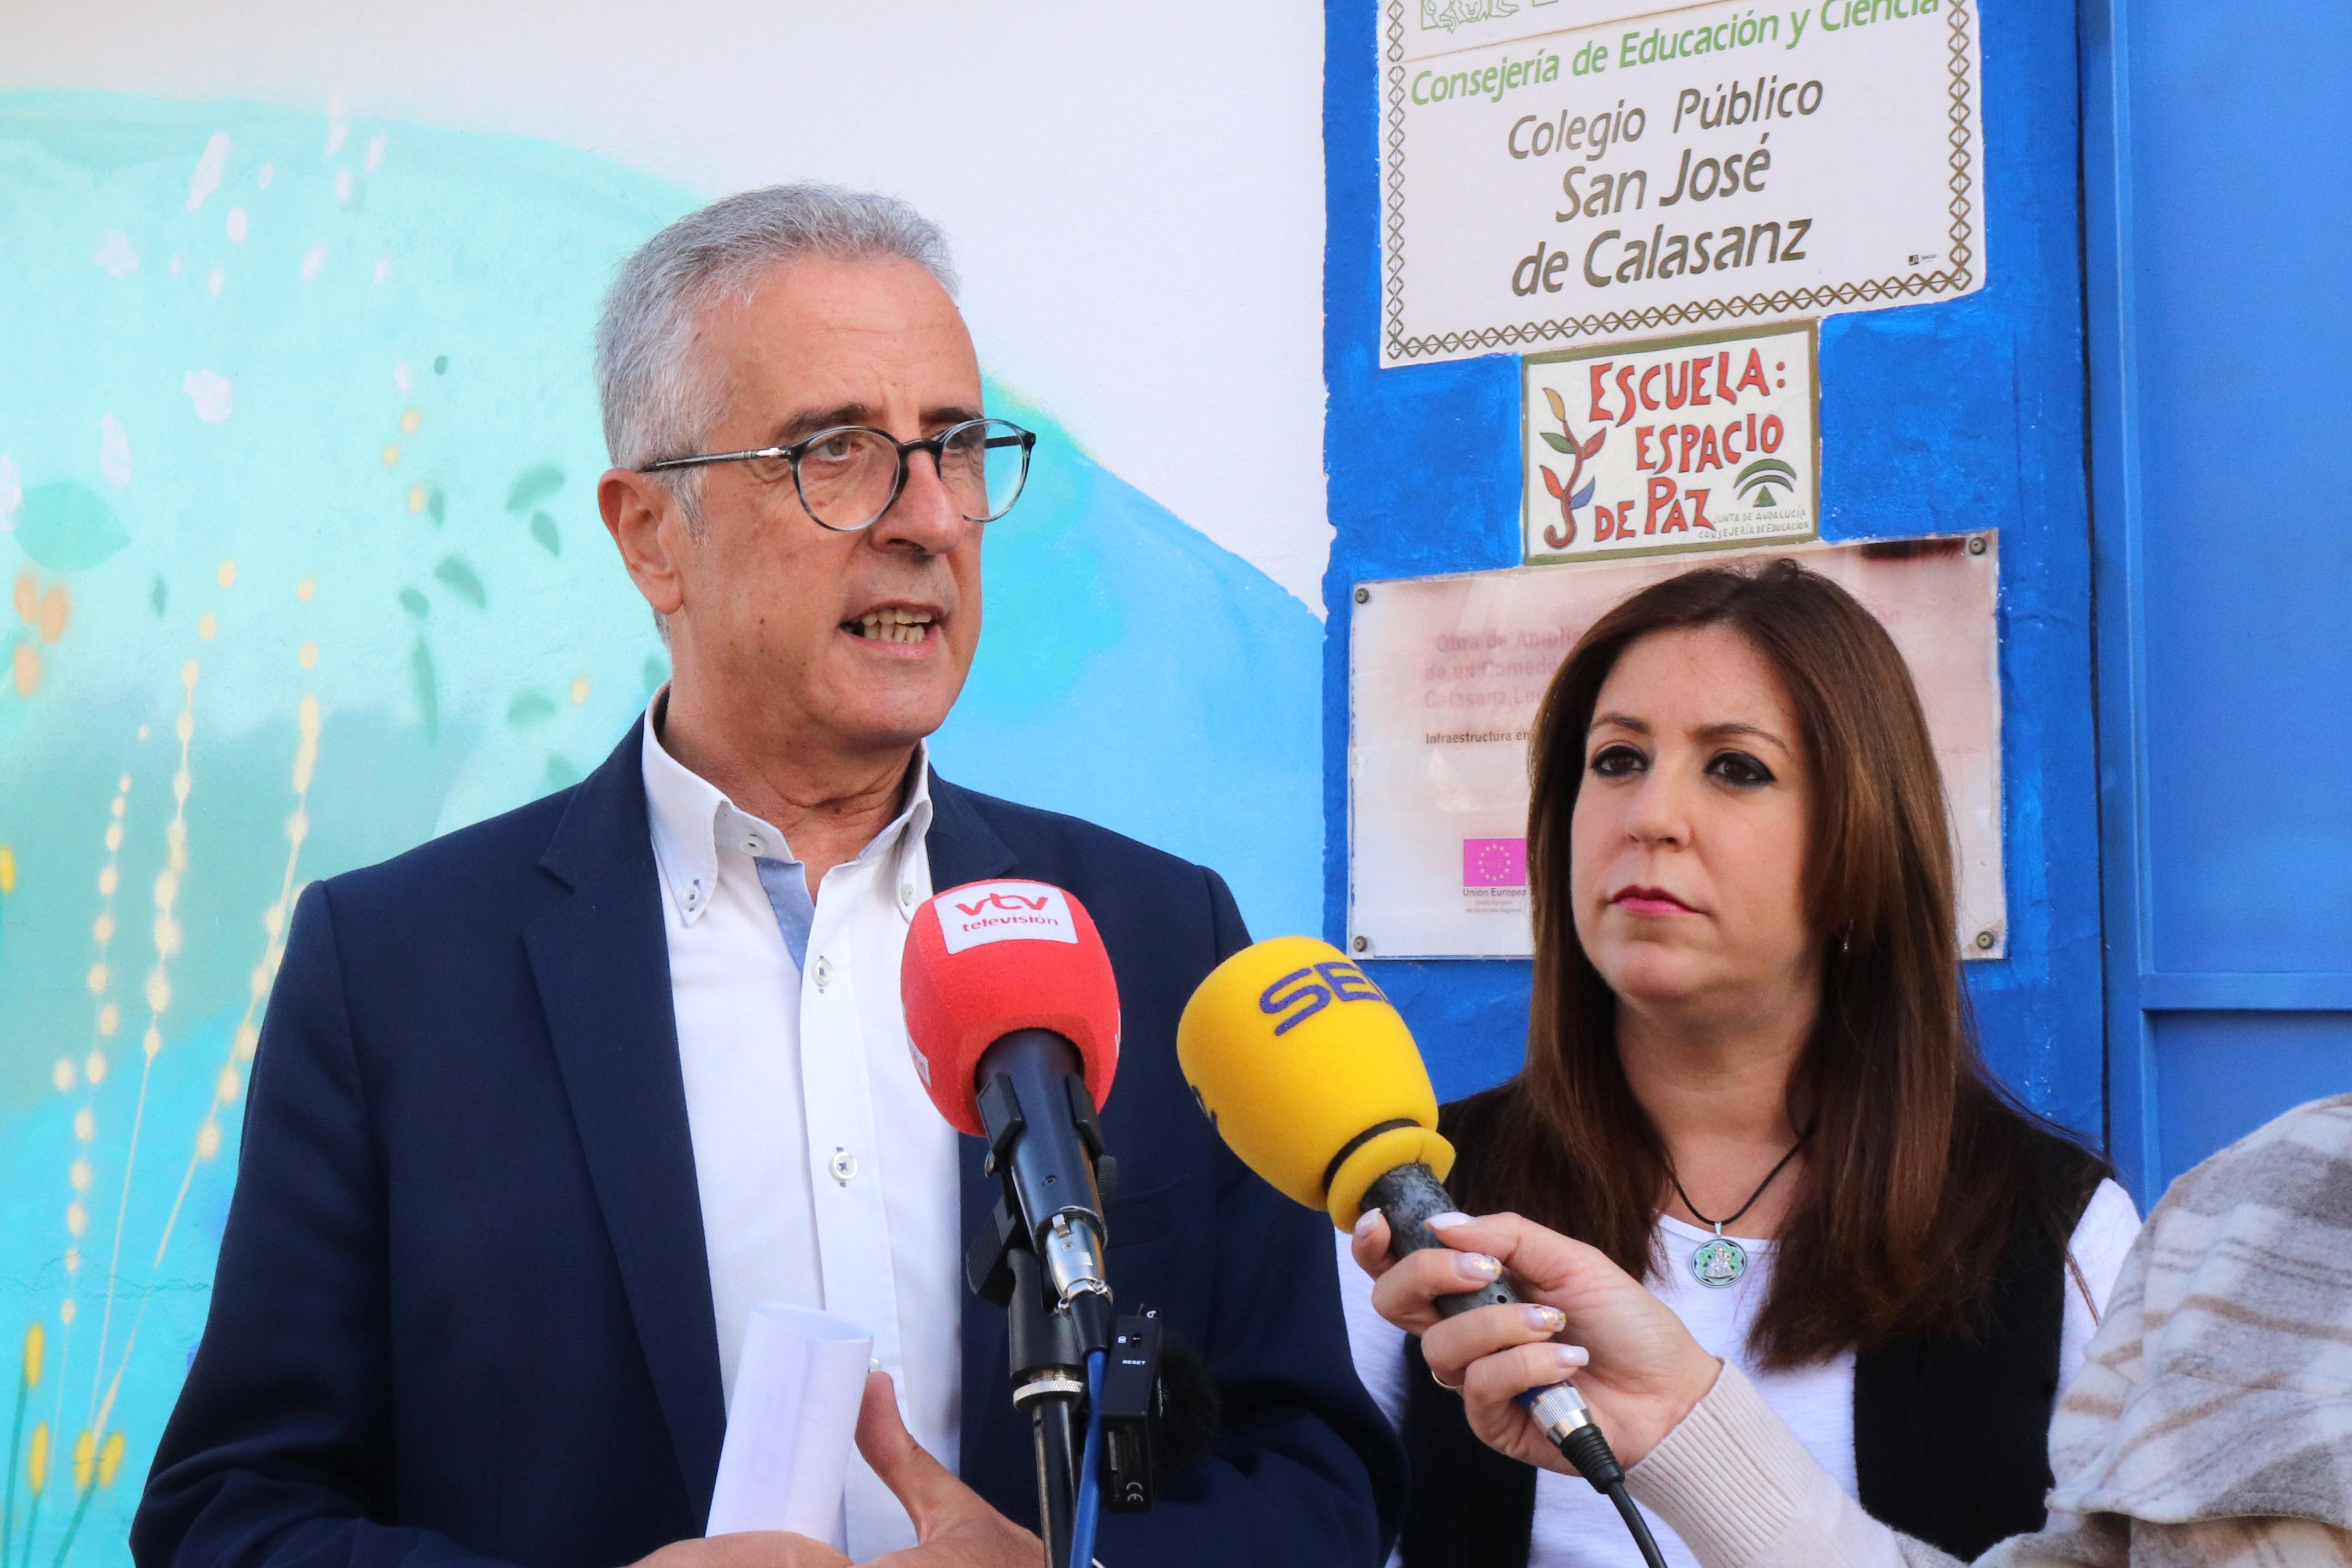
[{"x": 2216, "y": 1407}]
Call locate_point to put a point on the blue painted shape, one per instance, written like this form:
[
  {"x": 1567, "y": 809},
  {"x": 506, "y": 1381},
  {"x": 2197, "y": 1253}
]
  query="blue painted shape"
[
  {"x": 2221, "y": 1075},
  {"x": 2218, "y": 182},
  {"x": 1934, "y": 418},
  {"x": 1134, "y": 673}
]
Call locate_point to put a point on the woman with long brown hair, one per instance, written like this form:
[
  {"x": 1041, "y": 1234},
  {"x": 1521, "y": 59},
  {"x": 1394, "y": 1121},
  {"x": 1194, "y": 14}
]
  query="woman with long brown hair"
[{"x": 1751, "y": 1081}]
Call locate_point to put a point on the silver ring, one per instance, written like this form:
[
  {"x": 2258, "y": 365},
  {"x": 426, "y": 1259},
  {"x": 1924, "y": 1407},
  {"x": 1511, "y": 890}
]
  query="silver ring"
[{"x": 1449, "y": 1387}]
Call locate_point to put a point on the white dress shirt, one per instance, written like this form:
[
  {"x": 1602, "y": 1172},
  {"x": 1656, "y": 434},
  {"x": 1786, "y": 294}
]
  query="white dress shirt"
[{"x": 827, "y": 1179}]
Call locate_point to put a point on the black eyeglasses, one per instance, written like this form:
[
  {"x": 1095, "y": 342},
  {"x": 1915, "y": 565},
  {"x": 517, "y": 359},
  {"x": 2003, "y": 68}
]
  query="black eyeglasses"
[{"x": 849, "y": 475}]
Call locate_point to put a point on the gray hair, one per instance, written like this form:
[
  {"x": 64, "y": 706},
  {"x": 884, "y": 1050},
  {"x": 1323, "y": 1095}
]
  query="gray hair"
[{"x": 656, "y": 402}]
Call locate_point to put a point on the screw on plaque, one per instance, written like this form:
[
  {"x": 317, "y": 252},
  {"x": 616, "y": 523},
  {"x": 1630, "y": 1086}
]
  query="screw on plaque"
[
  {"x": 1985, "y": 938},
  {"x": 1363, "y": 595},
  {"x": 1977, "y": 547},
  {"x": 1363, "y": 945}
]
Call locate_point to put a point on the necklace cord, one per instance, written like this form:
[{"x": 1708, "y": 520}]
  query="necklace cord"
[{"x": 1794, "y": 1150}]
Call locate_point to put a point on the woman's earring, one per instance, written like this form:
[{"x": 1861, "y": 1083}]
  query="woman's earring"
[{"x": 1845, "y": 940}]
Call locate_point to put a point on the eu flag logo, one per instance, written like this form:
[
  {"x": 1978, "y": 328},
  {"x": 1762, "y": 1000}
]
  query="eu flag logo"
[{"x": 1494, "y": 862}]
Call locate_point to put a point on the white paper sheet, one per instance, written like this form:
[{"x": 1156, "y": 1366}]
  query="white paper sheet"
[{"x": 791, "y": 1426}]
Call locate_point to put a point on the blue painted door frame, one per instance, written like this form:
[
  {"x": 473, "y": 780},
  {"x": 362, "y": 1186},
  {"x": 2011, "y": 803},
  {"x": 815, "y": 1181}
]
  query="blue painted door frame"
[
  {"x": 2217, "y": 178},
  {"x": 1934, "y": 418}
]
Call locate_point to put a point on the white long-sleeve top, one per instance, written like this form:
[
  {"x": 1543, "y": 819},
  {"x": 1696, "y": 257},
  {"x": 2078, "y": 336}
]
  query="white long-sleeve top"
[{"x": 1576, "y": 1527}]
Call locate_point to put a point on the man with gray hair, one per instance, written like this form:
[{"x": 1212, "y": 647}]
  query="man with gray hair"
[{"x": 542, "y": 1110}]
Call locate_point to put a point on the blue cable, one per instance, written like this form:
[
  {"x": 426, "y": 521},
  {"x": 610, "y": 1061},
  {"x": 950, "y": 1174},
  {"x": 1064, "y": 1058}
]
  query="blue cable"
[{"x": 1089, "y": 1504}]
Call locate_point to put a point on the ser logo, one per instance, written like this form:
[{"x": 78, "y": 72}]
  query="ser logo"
[{"x": 1319, "y": 987}]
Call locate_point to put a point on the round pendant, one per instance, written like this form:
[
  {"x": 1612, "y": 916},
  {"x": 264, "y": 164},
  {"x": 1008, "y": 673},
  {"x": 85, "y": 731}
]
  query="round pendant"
[{"x": 1719, "y": 1263}]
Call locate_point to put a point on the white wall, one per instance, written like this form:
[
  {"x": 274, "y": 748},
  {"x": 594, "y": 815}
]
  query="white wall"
[{"x": 1135, "y": 193}]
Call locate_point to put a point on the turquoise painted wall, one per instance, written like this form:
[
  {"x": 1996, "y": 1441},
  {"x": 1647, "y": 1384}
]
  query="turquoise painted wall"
[{"x": 297, "y": 448}]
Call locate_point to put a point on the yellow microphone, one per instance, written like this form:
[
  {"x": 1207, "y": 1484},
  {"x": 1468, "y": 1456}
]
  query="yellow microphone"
[{"x": 1310, "y": 1076}]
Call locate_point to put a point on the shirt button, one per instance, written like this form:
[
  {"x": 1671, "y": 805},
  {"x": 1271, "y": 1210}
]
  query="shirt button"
[
  {"x": 694, "y": 897},
  {"x": 753, "y": 847},
  {"x": 906, "y": 892},
  {"x": 844, "y": 1166},
  {"x": 823, "y": 973}
]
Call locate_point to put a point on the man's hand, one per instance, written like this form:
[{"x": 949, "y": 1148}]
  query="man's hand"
[
  {"x": 953, "y": 1527},
  {"x": 748, "y": 1549}
]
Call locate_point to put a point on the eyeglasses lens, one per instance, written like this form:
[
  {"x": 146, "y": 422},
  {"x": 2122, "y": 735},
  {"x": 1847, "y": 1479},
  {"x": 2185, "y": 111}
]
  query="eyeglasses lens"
[
  {"x": 983, "y": 466},
  {"x": 845, "y": 478},
  {"x": 848, "y": 477}
]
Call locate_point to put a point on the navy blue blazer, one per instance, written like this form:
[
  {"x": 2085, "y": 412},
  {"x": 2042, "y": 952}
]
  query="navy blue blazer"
[{"x": 462, "y": 1312}]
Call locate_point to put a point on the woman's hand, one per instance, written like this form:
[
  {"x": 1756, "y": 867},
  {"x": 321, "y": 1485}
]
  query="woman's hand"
[{"x": 1633, "y": 1360}]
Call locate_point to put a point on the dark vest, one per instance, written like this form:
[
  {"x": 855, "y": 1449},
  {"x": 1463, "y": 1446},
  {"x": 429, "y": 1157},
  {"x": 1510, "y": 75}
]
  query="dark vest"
[{"x": 1950, "y": 1440}]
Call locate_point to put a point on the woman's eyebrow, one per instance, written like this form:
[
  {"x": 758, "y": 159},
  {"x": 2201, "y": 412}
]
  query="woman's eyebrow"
[
  {"x": 1732, "y": 729},
  {"x": 1617, "y": 722}
]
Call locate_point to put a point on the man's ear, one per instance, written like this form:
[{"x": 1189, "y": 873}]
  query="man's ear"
[{"x": 649, "y": 530}]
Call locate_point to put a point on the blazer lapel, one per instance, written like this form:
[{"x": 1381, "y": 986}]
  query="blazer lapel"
[
  {"x": 601, "y": 961},
  {"x": 963, "y": 847}
]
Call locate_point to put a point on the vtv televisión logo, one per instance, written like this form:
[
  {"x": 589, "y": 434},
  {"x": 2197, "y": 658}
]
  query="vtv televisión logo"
[
  {"x": 1318, "y": 986},
  {"x": 1012, "y": 904},
  {"x": 1002, "y": 911}
]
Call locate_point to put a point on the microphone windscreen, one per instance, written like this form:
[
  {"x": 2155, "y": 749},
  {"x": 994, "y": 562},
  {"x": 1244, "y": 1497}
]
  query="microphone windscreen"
[
  {"x": 988, "y": 958},
  {"x": 1309, "y": 1074}
]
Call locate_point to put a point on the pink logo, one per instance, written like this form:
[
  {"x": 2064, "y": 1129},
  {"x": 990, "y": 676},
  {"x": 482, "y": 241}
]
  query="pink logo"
[{"x": 1494, "y": 862}]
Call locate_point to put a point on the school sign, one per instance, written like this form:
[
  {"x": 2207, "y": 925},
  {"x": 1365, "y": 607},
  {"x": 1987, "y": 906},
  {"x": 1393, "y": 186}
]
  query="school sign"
[{"x": 1553, "y": 176}]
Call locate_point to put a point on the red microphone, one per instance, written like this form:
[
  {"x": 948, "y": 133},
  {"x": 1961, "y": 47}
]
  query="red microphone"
[
  {"x": 1012, "y": 1017},
  {"x": 988, "y": 958}
]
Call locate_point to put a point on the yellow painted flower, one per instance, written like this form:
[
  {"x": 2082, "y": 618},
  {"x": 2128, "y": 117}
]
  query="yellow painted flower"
[
  {"x": 36, "y": 1462},
  {"x": 85, "y": 1458},
  {"x": 36, "y": 1340},
  {"x": 110, "y": 1458},
  {"x": 7, "y": 868}
]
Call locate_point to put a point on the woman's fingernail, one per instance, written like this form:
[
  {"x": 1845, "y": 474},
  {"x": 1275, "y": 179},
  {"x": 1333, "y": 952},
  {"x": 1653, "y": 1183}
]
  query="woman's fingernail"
[
  {"x": 1364, "y": 1223},
  {"x": 1546, "y": 1320},
  {"x": 1570, "y": 1357},
  {"x": 1447, "y": 1220},
  {"x": 1477, "y": 1266}
]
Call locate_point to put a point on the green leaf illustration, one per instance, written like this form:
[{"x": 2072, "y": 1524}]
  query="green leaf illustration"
[
  {"x": 533, "y": 485},
  {"x": 428, "y": 689},
  {"x": 542, "y": 528},
  {"x": 529, "y": 709},
  {"x": 65, "y": 527},
  {"x": 460, "y": 577},
  {"x": 414, "y": 603},
  {"x": 561, "y": 773},
  {"x": 1560, "y": 444},
  {"x": 656, "y": 672}
]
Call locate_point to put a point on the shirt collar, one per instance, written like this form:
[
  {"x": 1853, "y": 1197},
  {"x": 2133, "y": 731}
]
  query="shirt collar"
[{"x": 692, "y": 821}]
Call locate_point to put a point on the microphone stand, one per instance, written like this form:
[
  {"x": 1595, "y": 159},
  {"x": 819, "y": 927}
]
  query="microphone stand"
[
  {"x": 1048, "y": 1364},
  {"x": 1048, "y": 1381},
  {"x": 1048, "y": 1356}
]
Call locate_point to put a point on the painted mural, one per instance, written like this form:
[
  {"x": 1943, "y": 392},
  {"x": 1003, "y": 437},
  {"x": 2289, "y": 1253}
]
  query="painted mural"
[{"x": 297, "y": 448}]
